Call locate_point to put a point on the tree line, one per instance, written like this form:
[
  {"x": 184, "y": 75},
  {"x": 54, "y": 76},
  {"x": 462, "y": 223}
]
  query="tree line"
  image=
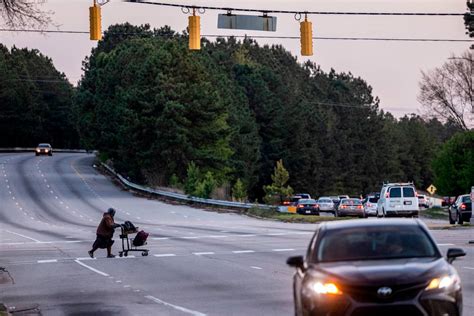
[{"x": 217, "y": 121}]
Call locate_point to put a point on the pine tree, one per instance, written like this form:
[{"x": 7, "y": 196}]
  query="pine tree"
[{"x": 277, "y": 191}]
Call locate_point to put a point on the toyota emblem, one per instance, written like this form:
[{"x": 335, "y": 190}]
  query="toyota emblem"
[{"x": 384, "y": 292}]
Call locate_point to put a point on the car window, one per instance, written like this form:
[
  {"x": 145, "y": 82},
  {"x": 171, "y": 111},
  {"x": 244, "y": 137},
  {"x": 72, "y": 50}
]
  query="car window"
[
  {"x": 408, "y": 192},
  {"x": 374, "y": 243},
  {"x": 373, "y": 200},
  {"x": 325, "y": 201},
  {"x": 307, "y": 201},
  {"x": 466, "y": 199},
  {"x": 395, "y": 192},
  {"x": 44, "y": 145}
]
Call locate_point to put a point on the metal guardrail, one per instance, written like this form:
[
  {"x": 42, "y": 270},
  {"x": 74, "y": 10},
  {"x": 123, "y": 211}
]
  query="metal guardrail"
[
  {"x": 183, "y": 197},
  {"x": 32, "y": 149}
]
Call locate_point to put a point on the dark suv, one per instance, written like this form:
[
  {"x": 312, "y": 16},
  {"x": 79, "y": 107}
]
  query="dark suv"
[{"x": 460, "y": 211}]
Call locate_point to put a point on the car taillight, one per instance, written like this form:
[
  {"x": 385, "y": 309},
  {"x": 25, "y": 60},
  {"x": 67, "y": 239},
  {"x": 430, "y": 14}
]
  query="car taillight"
[
  {"x": 300, "y": 206},
  {"x": 359, "y": 207},
  {"x": 387, "y": 195},
  {"x": 463, "y": 206},
  {"x": 369, "y": 205},
  {"x": 315, "y": 206},
  {"x": 286, "y": 203}
]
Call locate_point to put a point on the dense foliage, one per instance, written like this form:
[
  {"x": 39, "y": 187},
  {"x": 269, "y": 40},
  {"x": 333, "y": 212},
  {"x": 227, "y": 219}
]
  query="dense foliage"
[
  {"x": 35, "y": 101},
  {"x": 454, "y": 165},
  {"x": 234, "y": 109}
]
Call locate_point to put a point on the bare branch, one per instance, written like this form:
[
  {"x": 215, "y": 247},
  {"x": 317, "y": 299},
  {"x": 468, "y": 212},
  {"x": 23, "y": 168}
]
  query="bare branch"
[
  {"x": 447, "y": 92},
  {"x": 24, "y": 14}
]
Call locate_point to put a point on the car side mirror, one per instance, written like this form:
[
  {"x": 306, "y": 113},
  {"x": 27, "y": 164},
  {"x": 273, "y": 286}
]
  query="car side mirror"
[
  {"x": 454, "y": 253},
  {"x": 296, "y": 262}
]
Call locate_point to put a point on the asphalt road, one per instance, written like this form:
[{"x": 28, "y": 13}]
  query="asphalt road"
[{"x": 200, "y": 262}]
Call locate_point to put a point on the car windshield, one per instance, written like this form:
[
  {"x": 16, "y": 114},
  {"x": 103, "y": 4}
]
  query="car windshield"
[
  {"x": 44, "y": 145},
  {"x": 351, "y": 202},
  {"x": 374, "y": 243},
  {"x": 408, "y": 192},
  {"x": 373, "y": 200},
  {"x": 325, "y": 201},
  {"x": 307, "y": 201}
]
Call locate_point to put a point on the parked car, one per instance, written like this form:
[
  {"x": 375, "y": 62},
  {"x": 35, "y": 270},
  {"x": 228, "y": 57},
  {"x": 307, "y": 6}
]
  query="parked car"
[
  {"x": 423, "y": 201},
  {"x": 461, "y": 210},
  {"x": 375, "y": 267},
  {"x": 370, "y": 205},
  {"x": 350, "y": 207},
  {"x": 398, "y": 199},
  {"x": 44, "y": 149},
  {"x": 307, "y": 207},
  {"x": 326, "y": 204}
]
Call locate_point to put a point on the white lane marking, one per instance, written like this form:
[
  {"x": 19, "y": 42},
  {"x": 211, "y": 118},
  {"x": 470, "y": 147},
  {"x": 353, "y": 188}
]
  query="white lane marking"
[
  {"x": 165, "y": 255},
  {"x": 246, "y": 235},
  {"x": 469, "y": 268},
  {"x": 217, "y": 236},
  {"x": 190, "y": 237},
  {"x": 47, "y": 261},
  {"x": 257, "y": 268},
  {"x": 203, "y": 253},
  {"x": 126, "y": 286},
  {"x": 445, "y": 245},
  {"x": 160, "y": 238},
  {"x": 286, "y": 249},
  {"x": 91, "y": 268},
  {"x": 126, "y": 257},
  {"x": 35, "y": 240},
  {"x": 277, "y": 234},
  {"x": 84, "y": 258},
  {"x": 118, "y": 281},
  {"x": 243, "y": 251},
  {"x": 179, "y": 308}
]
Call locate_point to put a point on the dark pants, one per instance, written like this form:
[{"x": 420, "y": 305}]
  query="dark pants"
[{"x": 103, "y": 242}]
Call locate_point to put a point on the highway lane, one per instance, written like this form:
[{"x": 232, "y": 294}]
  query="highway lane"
[{"x": 200, "y": 262}]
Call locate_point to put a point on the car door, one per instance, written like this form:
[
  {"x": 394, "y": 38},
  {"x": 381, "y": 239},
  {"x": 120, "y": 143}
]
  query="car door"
[{"x": 410, "y": 201}]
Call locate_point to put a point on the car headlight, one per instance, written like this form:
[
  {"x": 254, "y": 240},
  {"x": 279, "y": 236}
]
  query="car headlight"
[
  {"x": 324, "y": 288},
  {"x": 37, "y": 149},
  {"x": 443, "y": 282}
]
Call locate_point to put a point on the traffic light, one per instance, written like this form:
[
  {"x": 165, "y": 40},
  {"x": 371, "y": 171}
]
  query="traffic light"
[
  {"x": 306, "y": 37},
  {"x": 95, "y": 22},
  {"x": 194, "y": 32}
]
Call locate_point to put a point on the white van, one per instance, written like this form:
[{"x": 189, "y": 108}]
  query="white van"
[{"x": 398, "y": 199}]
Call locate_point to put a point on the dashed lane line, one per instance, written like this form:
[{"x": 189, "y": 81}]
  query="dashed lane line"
[
  {"x": 91, "y": 268},
  {"x": 204, "y": 253},
  {"x": 176, "y": 307},
  {"x": 47, "y": 261},
  {"x": 30, "y": 238},
  {"x": 160, "y": 255},
  {"x": 243, "y": 251},
  {"x": 284, "y": 249}
]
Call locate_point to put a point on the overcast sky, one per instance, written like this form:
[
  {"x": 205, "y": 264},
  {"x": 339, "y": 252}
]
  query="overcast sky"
[{"x": 393, "y": 69}]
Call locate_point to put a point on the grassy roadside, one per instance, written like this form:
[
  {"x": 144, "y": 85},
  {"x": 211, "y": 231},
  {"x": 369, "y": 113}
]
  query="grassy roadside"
[
  {"x": 435, "y": 213},
  {"x": 289, "y": 217}
]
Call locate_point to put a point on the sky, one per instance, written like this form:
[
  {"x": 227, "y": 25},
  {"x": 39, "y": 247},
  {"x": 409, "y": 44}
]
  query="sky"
[{"x": 393, "y": 69}]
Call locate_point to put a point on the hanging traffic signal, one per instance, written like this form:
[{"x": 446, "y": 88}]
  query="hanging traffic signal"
[
  {"x": 194, "y": 32},
  {"x": 95, "y": 22},
  {"x": 306, "y": 37}
]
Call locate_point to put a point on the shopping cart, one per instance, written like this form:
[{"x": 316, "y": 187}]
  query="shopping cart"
[{"x": 127, "y": 242}]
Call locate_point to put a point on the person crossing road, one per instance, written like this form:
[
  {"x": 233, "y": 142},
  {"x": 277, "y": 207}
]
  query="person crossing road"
[{"x": 105, "y": 232}]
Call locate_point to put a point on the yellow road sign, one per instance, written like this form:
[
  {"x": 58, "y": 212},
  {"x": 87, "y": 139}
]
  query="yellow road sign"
[{"x": 431, "y": 189}]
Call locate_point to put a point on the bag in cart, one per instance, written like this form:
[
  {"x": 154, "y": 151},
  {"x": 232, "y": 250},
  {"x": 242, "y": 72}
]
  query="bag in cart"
[{"x": 140, "y": 238}]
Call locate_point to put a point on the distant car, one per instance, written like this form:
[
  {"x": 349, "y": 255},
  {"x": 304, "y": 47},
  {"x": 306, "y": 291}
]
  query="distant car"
[
  {"x": 343, "y": 197},
  {"x": 461, "y": 210},
  {"x": 307, "y": 207},
  {"x": 370, "y": 205},
  {"x": 326, "y": 205},
  {"x": 303, "y": 195},
  {"x": 350, "y": 207},
  {"x": 375, "y": 267},
  {"x": 398, "y": 199},
  {"x": 44, "y": 149},
  {"x": 423, "y": 201}
]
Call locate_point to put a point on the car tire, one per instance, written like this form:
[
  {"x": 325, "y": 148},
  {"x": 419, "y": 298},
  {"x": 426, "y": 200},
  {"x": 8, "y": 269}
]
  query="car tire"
[
  {"x": 466, "y": 218},
  {"x": 460, "y": 219},
  {"x": 451, "y": 220}
]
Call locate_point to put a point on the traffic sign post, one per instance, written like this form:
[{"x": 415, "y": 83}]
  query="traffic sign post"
[{"x": 431, "y": 189}]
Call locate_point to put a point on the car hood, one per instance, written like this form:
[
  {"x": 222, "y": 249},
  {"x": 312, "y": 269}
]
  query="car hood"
[{"x": 375, "y": 272}]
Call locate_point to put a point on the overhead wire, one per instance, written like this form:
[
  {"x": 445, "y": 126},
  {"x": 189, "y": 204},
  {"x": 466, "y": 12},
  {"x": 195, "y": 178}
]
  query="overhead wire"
[{"x": 258, "y": 36}]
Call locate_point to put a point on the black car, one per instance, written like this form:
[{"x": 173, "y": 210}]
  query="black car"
[
  {"x": 460, "y": 211},
  {"x": 307, "y": 207},
  {"x": 376, "y": 267}
]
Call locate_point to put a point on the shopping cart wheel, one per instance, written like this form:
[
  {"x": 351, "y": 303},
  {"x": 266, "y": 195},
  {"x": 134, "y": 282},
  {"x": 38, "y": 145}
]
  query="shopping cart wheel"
[
  {"x": 145, "y": 253},
  {"x": 120, "y": 254},
  {"x": 126, "y": 253}
]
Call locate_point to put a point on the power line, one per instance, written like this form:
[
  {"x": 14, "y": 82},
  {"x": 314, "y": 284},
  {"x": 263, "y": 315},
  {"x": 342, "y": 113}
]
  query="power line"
[
  {"x": 228, "y": 9},
  {"x": 260, "y": 36}
]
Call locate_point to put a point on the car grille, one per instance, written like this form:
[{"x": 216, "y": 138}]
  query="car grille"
[
  {"x": 369, "y": 293},
  {"x": 396, "y": 310}
]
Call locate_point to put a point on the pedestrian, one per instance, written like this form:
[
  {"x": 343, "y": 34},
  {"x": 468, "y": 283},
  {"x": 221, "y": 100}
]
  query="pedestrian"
[{"x": 105, "y": 232}]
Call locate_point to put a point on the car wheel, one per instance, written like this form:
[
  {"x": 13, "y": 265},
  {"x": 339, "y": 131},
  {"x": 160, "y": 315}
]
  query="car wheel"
[
  {"x": 451, "y": 220},
  {"x": 460, "y": 219},
  {"x": 466, "y": 218}
]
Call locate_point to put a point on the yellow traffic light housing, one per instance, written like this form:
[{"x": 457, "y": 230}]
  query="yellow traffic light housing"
[
  {"x": 306, "y": 37},
  {"x": 95, "y": 22},
  {"x": 194, "y": 31}
]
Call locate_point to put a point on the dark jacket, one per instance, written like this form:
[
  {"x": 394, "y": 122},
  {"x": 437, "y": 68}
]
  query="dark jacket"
[{"x": 106, "y": 226}]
